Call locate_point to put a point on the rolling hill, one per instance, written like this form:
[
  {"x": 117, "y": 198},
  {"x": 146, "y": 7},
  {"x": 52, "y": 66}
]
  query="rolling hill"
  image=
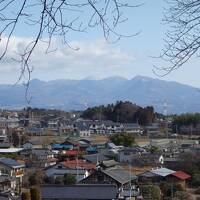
[{"x": 79, "y": 94}]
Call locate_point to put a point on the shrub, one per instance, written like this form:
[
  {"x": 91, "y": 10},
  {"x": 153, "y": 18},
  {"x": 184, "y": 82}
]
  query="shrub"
[
  {"x": 35, "y": 194},
  {"x": 26, "y": 196}
]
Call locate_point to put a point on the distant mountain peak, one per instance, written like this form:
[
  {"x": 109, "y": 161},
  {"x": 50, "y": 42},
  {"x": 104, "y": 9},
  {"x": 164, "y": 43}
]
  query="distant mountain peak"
[
  {"x": 115, "y": 78},
  {"x": 35, "y": 80},
  {"x": 79, "y": 94},
  {"x": 143, "y": 78}
]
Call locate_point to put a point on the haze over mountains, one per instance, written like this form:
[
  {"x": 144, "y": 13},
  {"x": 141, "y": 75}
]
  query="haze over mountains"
[{"x": 80, "y": 94}]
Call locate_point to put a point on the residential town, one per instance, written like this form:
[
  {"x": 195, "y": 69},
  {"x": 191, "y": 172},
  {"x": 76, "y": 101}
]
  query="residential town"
[
  {"x": 63, "y": 156},
  {"x": 99, "y": 100}
]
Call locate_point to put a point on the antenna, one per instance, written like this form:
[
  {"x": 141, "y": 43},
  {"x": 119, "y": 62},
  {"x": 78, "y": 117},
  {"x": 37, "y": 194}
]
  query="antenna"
[
  {"x": 130, "y": 181},
  {"x": 77, "y": 168},
  {"x": 97, "y": 160},
  {"x": 165, "y": 106},
  {"x": 97, "y": 163}
]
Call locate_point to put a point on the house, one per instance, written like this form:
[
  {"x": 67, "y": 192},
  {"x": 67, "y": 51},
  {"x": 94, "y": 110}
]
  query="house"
[
  {"x": 12, "y": 123},
  {"x": 96, "y": 158},
  {"x": 79, "y": 192},
  {"x": 3, "y": 124},
  {"x": 78, "y": 163},
  {"x": 139, "y": 159},
  {"x": 91, "y": 150},
  {"x": 190, "y": 129},
  {"x": 14, "y": 170},
  {"x": 127, "y": 154},
  {"x": 41, "y": 157},
  {"x": 34, "y": 131},
  {"x": 152, "y": 129},
  {"x": 4, "y": 141},
  {"x": 71, "y": 154},
  {"x": 160, "y": 175},
  {"x": 112, "y": 127},
  {"x": 59, "y": 170},
  {"x": 134, "y": 128},
  {"x": 6, "y": 182},
  {"x": 83, "y": 132},
  {"x": 81, "y": 129},
  {"x": 53, "y": 124},
  {"x": 86, "y": 141},
  {"x": 155, "y": 175},
  {"x": 179, "y": 177},
  {"x": 33, "y": 144},
  {"x": 83, "y": 145},
  {"x": 108, "y": 164},
  {"x": 114, "y": 175},
  {"x": 172, "y": 162},
  {"x": 62, "y": 146},
  {"x": 152, "y": 159},
  {"x": 79, "y": 168},
  {"x": 73, "y": 144},
  {"x": 10, "y": 150},
  {"x": 165, "y": 145},
  {"x": 189, "y": 145}
]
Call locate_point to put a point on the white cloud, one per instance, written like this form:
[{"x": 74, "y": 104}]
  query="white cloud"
[{"x": 93, "y": 58}]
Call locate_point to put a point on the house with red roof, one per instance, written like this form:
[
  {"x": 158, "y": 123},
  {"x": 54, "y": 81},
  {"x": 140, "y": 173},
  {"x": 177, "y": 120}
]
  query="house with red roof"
[
  {"x": 159, "y": 175},
  {"x": 179, "y": 177},
  {"x": 71, "y": 154},
  {"x": 79, "y": 163}
]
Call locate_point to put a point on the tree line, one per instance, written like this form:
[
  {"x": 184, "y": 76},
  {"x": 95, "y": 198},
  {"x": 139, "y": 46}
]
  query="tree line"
[
  {"x": 187, "y": 119},
  {"x": 124, "y": 112}
]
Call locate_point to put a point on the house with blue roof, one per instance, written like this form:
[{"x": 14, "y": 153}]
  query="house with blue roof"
[
  {"x": 91, "y": 150},
  {"x": 62, "y": 146}
]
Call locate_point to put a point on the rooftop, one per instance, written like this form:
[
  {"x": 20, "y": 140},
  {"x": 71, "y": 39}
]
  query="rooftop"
[
  {"x": 85, "y": 191},
  {"x": 162, "y": 171},
  {"x": 11, "y": 163},
  {"x": 181, "y": 175},
  {"x": 119, "y": 174},
  {"x": 94, "y": 158},
  {"x": 73, "y": 164}
]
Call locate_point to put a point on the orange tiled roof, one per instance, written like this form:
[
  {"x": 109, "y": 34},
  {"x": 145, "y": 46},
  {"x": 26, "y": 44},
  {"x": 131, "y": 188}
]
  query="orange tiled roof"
[{"x": 80, "y": 163}]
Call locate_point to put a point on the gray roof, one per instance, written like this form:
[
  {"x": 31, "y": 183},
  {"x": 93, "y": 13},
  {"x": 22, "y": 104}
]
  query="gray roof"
[
  {"x": 162, "y": 171},
  {"x": 42, "y": 151},
  {"x": 84, "y": 191},
  {"x": 148, "y": 174},
  {"x": 131, "y": 125},
  {"x": 109, "y": 163},
  {"x": 134, "y": 149},
  {"x": 11, "y": 163},
  {"x": 119, "y": 174},
  {"x": 93, "y": 158},
  {"x": 56, "y": 171}
]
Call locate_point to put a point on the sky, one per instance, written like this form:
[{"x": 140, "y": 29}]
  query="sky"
[{"x": 95, "y": 58}]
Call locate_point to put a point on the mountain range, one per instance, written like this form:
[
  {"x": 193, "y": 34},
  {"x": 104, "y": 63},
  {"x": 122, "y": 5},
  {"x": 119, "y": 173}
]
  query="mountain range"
[{"x": 165, "y": 96}]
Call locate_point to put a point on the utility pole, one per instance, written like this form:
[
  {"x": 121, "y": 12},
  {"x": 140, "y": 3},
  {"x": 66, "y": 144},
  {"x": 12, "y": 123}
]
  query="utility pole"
[
  {"x": 130, "y": 195},
  {"x": 172, "y": 190},
  {"x": 77, "y": 173},
  {"x": 191, "y": 130}
]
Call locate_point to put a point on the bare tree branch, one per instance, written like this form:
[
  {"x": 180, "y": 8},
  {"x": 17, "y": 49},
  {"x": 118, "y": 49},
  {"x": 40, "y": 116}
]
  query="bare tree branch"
[
  {"x": 183, "y": 37},
  {"x": 58, "y": 18}
]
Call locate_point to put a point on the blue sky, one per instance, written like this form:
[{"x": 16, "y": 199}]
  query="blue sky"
[{"x": 97, "y": 59}]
